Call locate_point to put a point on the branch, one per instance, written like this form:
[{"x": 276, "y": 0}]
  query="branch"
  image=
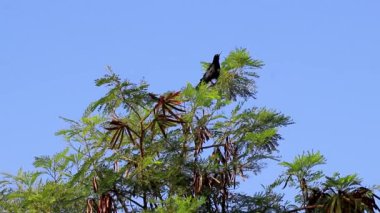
[
  {"x": 119, "y": 198},
  {"x": 134, "y": 202},
  {"x": 206, "y": 147},
  {"x": 122, "y": 96},
  {"x": 123, "y": 195}
]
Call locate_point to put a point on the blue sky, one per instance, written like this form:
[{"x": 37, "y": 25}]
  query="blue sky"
[{"x": 321, "y": 57}]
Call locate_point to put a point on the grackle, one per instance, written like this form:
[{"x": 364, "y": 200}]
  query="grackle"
[{"x": 212, "y": 71}]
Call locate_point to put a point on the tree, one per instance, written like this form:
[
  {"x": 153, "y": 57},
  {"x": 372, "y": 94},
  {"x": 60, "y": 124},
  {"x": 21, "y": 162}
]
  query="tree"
[
  {"x": 180, "y": 151},
  {"x": 143, "y": 149},
  {"x": 334, "y": 194},
  {"x": 29, "y": 192}
]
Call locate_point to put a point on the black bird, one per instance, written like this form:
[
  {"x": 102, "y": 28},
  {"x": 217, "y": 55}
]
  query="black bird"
[{"x": 212, "y": 72}]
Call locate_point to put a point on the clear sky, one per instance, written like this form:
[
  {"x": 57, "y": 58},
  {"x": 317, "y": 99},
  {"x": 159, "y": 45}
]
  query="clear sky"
[{"x": 322, "y": 68}]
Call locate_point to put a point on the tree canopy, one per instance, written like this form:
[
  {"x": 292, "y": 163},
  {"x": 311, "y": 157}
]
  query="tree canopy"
[{"x": 185, "y": 150}]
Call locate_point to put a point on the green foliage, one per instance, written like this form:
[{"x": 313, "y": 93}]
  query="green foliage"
[
  {"x": 122, "y": 93},
  {"x": 202, "y": 97},
  {"x": 264, "y": 201},
  {"x": 240, "y": 58},
  {"x": 57, "y": 166},
  {"x": 237, "y": 78},
  {"x": 345, "y": 194},
  {"x": 158, "y": 142},
  {"x": 302, "y": 168},
  {"x": 181, "y": 151},
  {"x": 342, "y": 183},
  {"x": 336, "y": 194},
  {"x": 27, "y": 192},
  {"x": 180, "y": 205}
]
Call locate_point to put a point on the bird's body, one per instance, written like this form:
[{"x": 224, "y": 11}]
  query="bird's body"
[{"x": 212, "y": 72}]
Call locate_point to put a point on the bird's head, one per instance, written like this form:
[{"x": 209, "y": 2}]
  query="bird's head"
[{"x": 216, "y": 58}]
